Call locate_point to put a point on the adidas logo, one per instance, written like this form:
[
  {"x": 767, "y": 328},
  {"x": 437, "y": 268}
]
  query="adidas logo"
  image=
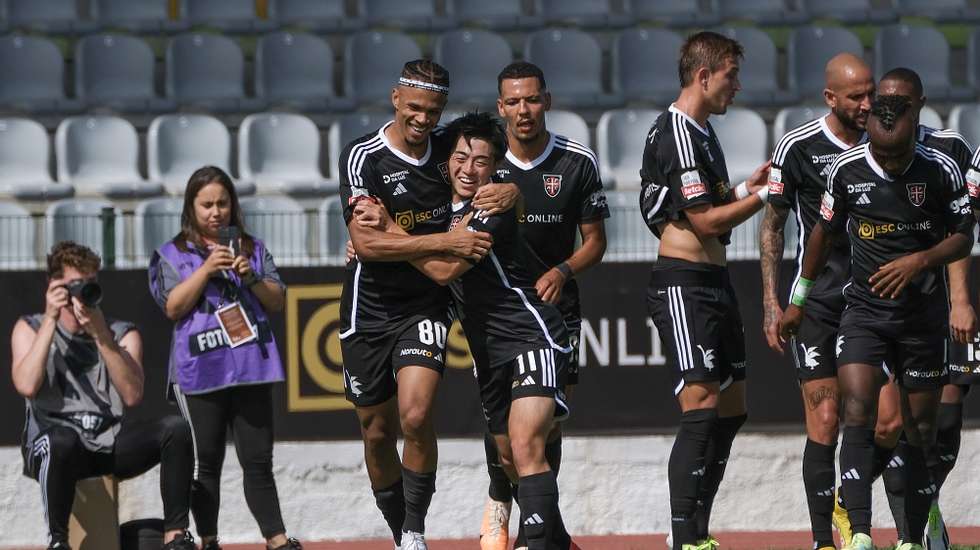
[
  {"x": 827, "y": 493},
  {"x": 851, "y": 474},
  {"x": 930, "y": 490},
  {"x": 896, "y": 462},
  {"x": 528, "y": 381},
  {"x": 947, "y": 458},
  {"x": 399, "y": 189},
  {"x": 863, "y": 199},
  {"x": 699, "y": 472},
  {"x": 535, "y": 519}
]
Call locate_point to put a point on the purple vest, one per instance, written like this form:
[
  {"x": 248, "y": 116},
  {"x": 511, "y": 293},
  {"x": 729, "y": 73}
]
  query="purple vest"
[{"x": 200, "y": 359}]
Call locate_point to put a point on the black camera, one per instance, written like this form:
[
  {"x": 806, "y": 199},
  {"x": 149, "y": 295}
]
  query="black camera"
[{"x": 88, "y": 292}]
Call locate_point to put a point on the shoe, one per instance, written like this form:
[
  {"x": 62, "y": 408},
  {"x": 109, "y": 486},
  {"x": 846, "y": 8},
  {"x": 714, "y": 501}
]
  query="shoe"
[
  {"x": 909, "y": 546},
  {"x": 59, "y": 545},
  {"x": 937, "y": 538},
  {"x": 413, "y": 541},
  {"x": 184, "y": 541},
  {"x": 708, "y": 544},
  {"x": 493, "y": 529},
  {"x": 211, "y": 545},
  {"x": 827, "y": 548},
  {"x": 860, "y": 541},
  {"x": 841, "y": 521},
  {"x": 291, "y": 544}
]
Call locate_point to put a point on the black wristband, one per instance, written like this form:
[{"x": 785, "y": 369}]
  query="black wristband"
[{"x": 565, "y": 269}]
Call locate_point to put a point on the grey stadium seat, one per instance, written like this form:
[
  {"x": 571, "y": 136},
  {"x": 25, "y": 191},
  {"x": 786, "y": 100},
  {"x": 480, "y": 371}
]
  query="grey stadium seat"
[
  {"x": 620, "y": 140},
  {"x": 280, "y": 153},
  {"x": 117, "y": 71},
  {"x": 791, "y": 117},
  {"x": 207, "y": 71},
  {"x": 807, "y": 53},
  {"x": 99, "y": 155},
  {"x": 473, "y": 58},
  {"x": 24, "y": 155},
  {"x": 315, "y": 15},
  {"x": 179, "y": 144},
  {"x": 352, "y": 126},
  {"x": 762, "y": 12},
  {"x": 136, "y": 15},
  {"x": 577, "y": 84},
  {"x": 417, "y": 15},
  {"x": 32, "y": 76},
  {"x": 333, "y": 231},
  {"x": 924, "y": 50},
  {"x": 281, "y": 224},
  {"x": 929, "y": 117},
  {"x": 677, "y": 13},
  {"x": 296, "y": 70},
  {"x": 48, "y": 16},
  {"x": 850, "y": 11},
  {"x": 224, "y": 15},
  {"x": 965, "y": 119},
  {"x": 155, "y": 222},
  {"x": 501, "y": 15},
  {"x": 17, "y": 237},
  {"x": 568, "y": 124},
  {"x": 627, "y": 236},
  {"x": 743, "y": 136},
  {"x": 943, "y": 11},
  {"x": 80, "y": 220},
  {"x": 590, "y": 14},
  {"x": 757, "y": 72},
  {"x": 646, "y": 48},
  {"x": 371, "y": 69}
]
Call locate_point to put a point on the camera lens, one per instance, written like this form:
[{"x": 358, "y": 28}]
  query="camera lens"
[{"x": 89, "y": 292}]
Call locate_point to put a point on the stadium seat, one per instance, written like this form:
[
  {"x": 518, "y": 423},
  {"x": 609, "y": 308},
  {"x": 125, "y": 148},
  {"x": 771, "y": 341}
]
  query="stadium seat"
[
  {"x": 99, "y": 155},
  {"x": 572, "y": 85},
  {"x": 473, "y": 58},
  {"x": 333, "y": 231},
  {"x": 136, "y": 15},
  {"x": 234, "y": 16},
  {"x": 208, "y": 71},
  {"x": 620, "y": 139},
  {"x": 762, "y": 12},
  {"x": 924, "y": 50},
  {"x": 941, "y": 11},
  {"x": 657, "y": 81},
  {"x": 116, "y": 71},
  {"x": 280, "y": 153},
  {"x": 743, "y": 137},
  {"x": 352, "y": 126},
  {"x": 155, "y": 222},
  {"x": 568, "y": 124},
  {"x": 589, "y": 14},
  {"x": 929, "y": 117},
  {"x": 850, "y": 12},
  {"x": 501, "y": 15},
  {"x": 32, "y": 76},
  {"x": 757, "y": 73},
  {"x": 677, "y": 13},
  {"x": 24, "y": 155},
  {"x": 627, "y": 237},
  {"x": 281, "y": 224},
  {"x": 314, "y": 15},
  {"x": 48, "y": 16},
  {"x": 81, "y": 220},
  {"x": 417, "y": 15},
  {"x": 17, "y": 237},
  {"x": 179, "y": 144},
  {"x": 791, "y": 117},
  {"x": 372, "y": 63},
  {"x": 807, "y": 53},
  {"x": 296, "y": 70},
  {"x": 965, "y": 119}
]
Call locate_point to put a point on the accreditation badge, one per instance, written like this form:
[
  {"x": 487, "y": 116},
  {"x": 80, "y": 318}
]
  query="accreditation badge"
[{"x": 235, "y": 325}]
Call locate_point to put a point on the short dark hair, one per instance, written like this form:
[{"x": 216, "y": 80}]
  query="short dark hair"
[
  {"x": 706, "y": 49},
  {"x": 904, "y": 74},
  {"x": 889, "y": 108},
  {"x": 426, "y": 70},
  {"x": 518, "y": 70},
  {"x": 480, "y": 125},
  {"x": 71, "y": 254}
]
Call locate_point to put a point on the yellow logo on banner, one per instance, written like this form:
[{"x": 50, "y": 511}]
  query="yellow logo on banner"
[{"x": 313, "y": 349}]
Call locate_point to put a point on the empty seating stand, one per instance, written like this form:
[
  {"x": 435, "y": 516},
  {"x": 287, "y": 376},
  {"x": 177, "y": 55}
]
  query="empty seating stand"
[
  {"x": 280, "y": 153},
  {"x": 501, "y": 15},
  {"x": 473, "y": 58},
  {"x": 315, "y": 15},
  {"x": 577, "y": 84},
  {"x": 117, "y": 71},
  {"x": 179, "y": 144},
  {"x": 373, "y": 62},
  {"x": 207, "y": 71},
  {"x": 32, "y": 75},
  {"x": 25, "y": 152},
  {"x": 295, "y": 70}
]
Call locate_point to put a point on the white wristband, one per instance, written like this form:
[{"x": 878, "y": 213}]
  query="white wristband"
[
  {"x": 763, "y": 194},
  {"x": 742, "y": 191}
]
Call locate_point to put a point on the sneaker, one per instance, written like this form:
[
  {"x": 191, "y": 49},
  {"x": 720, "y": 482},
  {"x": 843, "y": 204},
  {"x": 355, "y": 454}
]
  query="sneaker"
[
  {"x": 909, "y": 546},
  {"x": 211, "y": 545},
  {"x": 860, "y": 541},
  {"x": 291, "y": 544},
  {"x": 708, "y": 544},
  {"x": 184, "y": 541},
  {"x": 59, "y": 545},
  {"x": 841, "y": 521},
  {"x": 413, "y": 541},
  {"x": 937, "y": 538},
  {"x": 493, "y": 530}
]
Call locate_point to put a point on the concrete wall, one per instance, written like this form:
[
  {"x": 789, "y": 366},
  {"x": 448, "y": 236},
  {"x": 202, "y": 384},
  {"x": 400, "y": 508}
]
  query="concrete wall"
[{"x": 608, "y": 485}]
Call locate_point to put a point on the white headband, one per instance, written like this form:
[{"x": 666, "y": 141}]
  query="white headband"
[{"x": 439, "y": 88}]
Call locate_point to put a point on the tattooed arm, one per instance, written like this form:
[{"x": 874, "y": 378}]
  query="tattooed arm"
[{"x": 771, "y": 240}]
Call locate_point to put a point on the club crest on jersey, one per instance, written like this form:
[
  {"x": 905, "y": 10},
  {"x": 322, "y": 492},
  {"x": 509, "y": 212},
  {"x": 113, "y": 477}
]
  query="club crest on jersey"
[
  {"x": 917, "y": 193},
  {"x": 444, "y": 170},
  {"x": 552, "y": 184},
  {"x": 455, "y": 221}
]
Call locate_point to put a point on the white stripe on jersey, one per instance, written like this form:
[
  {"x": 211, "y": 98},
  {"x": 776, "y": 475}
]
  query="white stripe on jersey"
[
  {"x": 682, "y": 339},
  {"x": 527, "y": 305},
  {"x": 355, "y": 160},
  {"x": 844, "y": 158},
  {"x": 803, "y": 131},
  {"x": 572, "y": 145},
  {"x": 520, "y": 364},
  {"x": 660, "y": 201},
  {"x": 944, "y": 160},
  {"x": 682, "y": 139},
  {"x": 947, "y": 133},
  {"x": 353, "y": 308}
]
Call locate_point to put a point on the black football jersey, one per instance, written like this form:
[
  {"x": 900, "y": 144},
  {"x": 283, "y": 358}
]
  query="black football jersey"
[
  {"x": 683, "y": 166},
  {"x": 501, "y": 312},
  {"x": 561, "y": 189},
  {"x": 417, "y": 195},
  {"x": 889, "y": 217}
]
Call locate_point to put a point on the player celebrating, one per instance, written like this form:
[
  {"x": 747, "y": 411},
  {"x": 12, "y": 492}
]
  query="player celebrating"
[
  {"x": 688, "y": 203},
  {"x": 906, "y": 213}
]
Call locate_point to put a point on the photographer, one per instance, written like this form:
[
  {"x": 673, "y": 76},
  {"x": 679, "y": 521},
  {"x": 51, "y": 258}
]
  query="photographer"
[
  {"x": 217, "y": 284},
  {"x": 77, "y": 370}
]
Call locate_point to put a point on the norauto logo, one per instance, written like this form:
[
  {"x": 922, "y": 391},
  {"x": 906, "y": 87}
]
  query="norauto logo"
[{"x": 868, "y": 230}]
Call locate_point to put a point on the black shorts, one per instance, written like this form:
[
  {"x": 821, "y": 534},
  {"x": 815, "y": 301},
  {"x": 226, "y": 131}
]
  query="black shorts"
[
  {"x": 815, "y": 345},
  {"x": 914, "y": 348},
  {"x": 535, "y": 373},
  {"x": 964, "y": 362},
  {"x": 574, "y": 326},
  {"x": 372, "y": 359},
  {"x": 694, "y": 308}
]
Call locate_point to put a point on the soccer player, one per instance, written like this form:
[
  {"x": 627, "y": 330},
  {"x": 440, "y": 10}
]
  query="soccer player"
[
  {"x": 393, "y": 319},
  {"x": 905, "y": 210},
  {"x": 559, "y": 180},
  {"x": 689, "y": 204}
]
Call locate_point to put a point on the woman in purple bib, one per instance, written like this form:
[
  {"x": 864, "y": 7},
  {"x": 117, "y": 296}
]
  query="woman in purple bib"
[{"x": 218, "y": 284}]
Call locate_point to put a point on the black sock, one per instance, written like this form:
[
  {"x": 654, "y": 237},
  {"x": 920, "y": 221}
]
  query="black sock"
[
  {"x": 818, "y": 483},
  {"x": 552, "y": 453},
  {"x": 715, "y": 460},
  {"x": 418, "y": 495},
  {"x": 895, "y": 489},
  {"x": 391, "y": 502},
  {"x": 949, "y": 424},
  {"x": 685, "y": 472},
  {"x": 883, "y": 455},
  {"x": 918, "y": 493},
  {"x": 499, "y": 482},
  {"x": 856, "y": 462},
  {"x": 539, "y": 508}
]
